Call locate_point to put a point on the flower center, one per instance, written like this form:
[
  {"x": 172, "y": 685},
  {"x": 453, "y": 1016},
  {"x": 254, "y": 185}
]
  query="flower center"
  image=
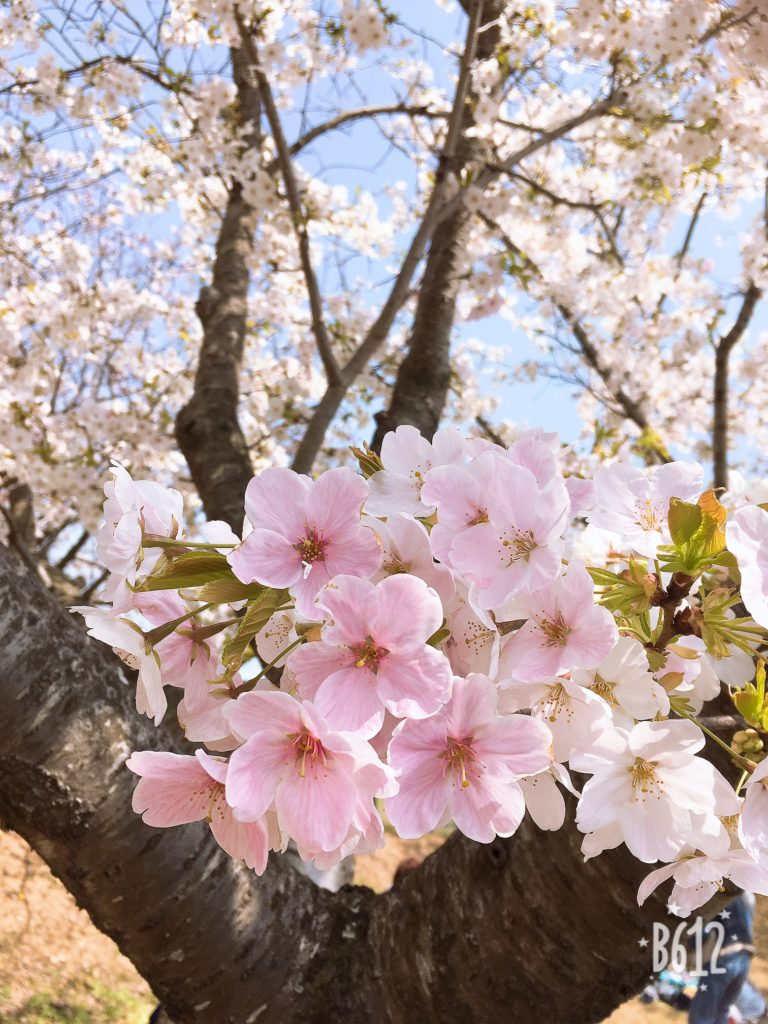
[
  {"x": 557, "y": 702},
  {"x": 395, "y": 565},
  {"x": 311, "y": 548},
  {"x": 648, "y": 516},
  {"x": 477, "y": 636},
  {"x": 217, "y": 805},
  {"x": 368, "y": 655},
  {"x": 480, "y": 516},
  {"x": 519, "y": 546},
  {"x": 459, "y": 758},
  {"x": 604, "y": 689},
  {"x": 556, "y": 631},
  {"x": 644, "y": 776},
  {"x": 308, "y": 747}
]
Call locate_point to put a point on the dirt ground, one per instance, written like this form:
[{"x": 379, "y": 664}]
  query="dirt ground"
[{"x": 56, "y": 968}]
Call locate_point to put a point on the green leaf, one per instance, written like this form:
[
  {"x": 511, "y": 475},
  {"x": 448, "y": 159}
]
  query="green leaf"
[
  {"x": 698, "y": 533},
  {"x": 750, "y": 701},
  {"x": 681, "y": 706},
  {"x": 223, "y": 591},
  {"x": 192, "y": 569},
  {"x": 256, "y": 617},
  {"x": 368, "y": 460},
  {"x": 684, "y": 521}
]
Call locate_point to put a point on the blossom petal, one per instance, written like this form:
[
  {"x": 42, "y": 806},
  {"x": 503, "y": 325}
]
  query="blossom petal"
[
  {"x": 274, "y": 500},
  {"x": 266, "y": 557},
  {"x": 349, "y": 702},
  {"x": 174, "y": 789}
]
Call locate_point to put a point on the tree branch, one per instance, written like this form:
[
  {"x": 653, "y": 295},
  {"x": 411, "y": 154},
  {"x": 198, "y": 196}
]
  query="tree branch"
[
  {"x": 423, "y": 377},
  {"x": 298, "y": 215},
  {"x": 326, "y": 409},
  {"x": 631, "y": 408},
  {"x": 723, "y": 351},
  {"x": 207, "y": 427},
  {"x": 685, "y": 246},
  {"x": 358, "y": 114}
]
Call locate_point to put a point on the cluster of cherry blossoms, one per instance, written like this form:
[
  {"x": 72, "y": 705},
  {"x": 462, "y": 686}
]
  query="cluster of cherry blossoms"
[{"x": 425, "y": 641}]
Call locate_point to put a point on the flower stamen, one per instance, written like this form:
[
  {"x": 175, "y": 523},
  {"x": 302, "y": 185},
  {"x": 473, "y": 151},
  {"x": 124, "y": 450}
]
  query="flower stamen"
[
  {"x": 459, "y": 758},
  {"x": 308, "y": 745}
]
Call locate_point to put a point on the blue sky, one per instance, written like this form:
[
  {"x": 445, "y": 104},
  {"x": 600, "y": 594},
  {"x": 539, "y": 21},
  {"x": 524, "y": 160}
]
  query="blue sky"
[{"x": 361, "y": 157}]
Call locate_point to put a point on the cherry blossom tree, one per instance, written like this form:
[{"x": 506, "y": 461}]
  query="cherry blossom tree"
[{"x": 189, "y": 289}]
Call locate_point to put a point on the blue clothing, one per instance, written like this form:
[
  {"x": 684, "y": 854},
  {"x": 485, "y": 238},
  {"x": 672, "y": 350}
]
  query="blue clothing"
[
  {"x": 718, "y": 992},
  {"x": 738, "y": 926},
  {"x": 750, "y": 1003}
]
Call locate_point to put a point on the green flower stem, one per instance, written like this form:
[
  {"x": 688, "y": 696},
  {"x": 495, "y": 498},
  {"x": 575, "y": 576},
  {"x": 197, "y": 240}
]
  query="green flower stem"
[
  {"x": 252, "y": 682},
  {"x": 161, "y": 632},
  {"x": 743, "y": 762},
  {"x": 153, "y": 541}
]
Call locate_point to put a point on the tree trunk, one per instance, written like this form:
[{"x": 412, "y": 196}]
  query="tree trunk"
[
  {"x": 424, "y": 375},
  {"x": 207, "y": 427},
  {"x": 518, "y": 930}
]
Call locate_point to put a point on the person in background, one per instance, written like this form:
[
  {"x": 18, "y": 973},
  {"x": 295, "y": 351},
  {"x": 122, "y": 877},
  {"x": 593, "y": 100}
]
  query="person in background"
[{"x": 717, "y": 993}]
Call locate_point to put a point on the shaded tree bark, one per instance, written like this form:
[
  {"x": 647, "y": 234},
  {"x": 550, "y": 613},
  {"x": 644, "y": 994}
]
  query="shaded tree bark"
[
  {"x": 207, "y": 427},
  {"x": 519, "y": 929}
]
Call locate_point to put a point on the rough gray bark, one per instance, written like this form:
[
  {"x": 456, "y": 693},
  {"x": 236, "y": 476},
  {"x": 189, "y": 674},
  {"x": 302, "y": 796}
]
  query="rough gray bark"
[
  {"x": 723, "y": 351},
  {"x": 207, "y": 427},
  {"x": 517, "y": 930}
]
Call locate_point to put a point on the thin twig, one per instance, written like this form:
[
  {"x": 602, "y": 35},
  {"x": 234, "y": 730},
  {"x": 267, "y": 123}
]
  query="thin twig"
[{"x": 298, "y": 214}]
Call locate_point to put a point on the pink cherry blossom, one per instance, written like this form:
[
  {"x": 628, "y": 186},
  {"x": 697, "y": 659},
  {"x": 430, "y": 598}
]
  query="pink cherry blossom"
[
  {"x": 698, "y": 877},
  {"x": 131, "y": 509},
  {"x": 624, "y": 680},
  {"x": 460, "y": 495},
  {"x": 753, "y": 824},
  {"x": 565, "y": 630},
  {"x": 366, "y": 834},
  {"x": 175, "y": 789},
  {"x": 635, "y": 503},
  {"x": 498, "y": 526},
  {"x": 464, "y": 764},
  {"x": 574, "y": 715},
  {"x": 188, "y": 658},
  {"x": 128, "y": 642},
  {"x": 407, "y": 457},
  {"x": 687, "y": 662},
  {"x": 305, "y": 532},
  {"x": 321, "y": 782},
  {"x": 374, "y": 653},
  {"x": 581, "y": 493},
  {"x": 543, "y": 798},
  {"x": 649, "y": 783},
  {"x": 277, "y": 635},
  {"x": 536, "y": 450},
  {"x": 747, "y": 538},
  {"x": 405, "y": 546},
  {"x": 206, "y": 722},
  {"x": 473, "y": 645}
]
